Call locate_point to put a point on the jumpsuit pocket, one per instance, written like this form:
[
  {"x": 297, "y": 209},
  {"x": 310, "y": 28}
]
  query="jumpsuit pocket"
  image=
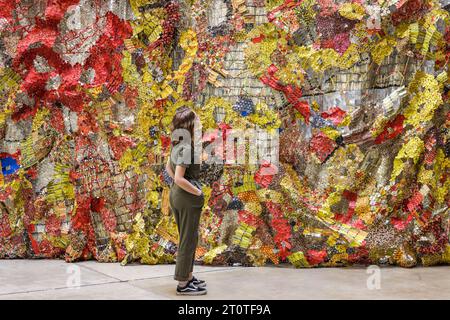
[
  {"x": 180, "y": 198},
  {"x": 199, "y": 201}
]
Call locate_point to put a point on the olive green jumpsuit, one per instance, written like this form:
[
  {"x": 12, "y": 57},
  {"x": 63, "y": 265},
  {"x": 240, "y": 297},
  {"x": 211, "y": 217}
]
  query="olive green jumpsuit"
[{"x": 186, "y": 208}]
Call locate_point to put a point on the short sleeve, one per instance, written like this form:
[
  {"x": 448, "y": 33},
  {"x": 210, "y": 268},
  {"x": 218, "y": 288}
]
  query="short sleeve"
[{"x": 182, "y": 156}]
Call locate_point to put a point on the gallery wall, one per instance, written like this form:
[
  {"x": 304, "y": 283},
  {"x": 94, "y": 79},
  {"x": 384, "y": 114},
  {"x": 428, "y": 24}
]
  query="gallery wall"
[{"x": 352, "y": 97}]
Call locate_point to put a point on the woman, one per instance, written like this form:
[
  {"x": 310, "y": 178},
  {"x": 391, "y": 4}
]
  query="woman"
[{"x": 186, "y": 198}]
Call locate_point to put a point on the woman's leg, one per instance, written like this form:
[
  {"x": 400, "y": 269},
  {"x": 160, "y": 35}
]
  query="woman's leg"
[
  {"x": 193, "y": 254},
  {"x": 188, "y": 222},
  {"x": 176, "y": 215}
]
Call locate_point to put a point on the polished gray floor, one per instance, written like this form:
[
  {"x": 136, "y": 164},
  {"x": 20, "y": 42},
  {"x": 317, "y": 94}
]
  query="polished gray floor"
[{"x": 55, "y": 279}]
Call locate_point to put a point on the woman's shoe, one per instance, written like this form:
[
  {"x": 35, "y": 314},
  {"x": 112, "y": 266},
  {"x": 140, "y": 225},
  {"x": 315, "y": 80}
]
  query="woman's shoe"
[
  {"x": 190, "y": 290},
  {"x": 198, "y": 283}
]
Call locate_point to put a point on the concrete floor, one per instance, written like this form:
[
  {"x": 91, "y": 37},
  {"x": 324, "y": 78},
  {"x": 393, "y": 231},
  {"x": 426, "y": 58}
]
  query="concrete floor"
[{"x": 55, "y": 279}]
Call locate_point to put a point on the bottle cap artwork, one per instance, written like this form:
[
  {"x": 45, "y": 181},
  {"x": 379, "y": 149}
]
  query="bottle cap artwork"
[{"x": 351, "y": 96}]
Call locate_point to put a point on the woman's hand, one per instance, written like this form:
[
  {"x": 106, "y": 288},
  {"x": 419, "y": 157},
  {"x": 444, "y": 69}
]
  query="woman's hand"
[
  {"x": 183, "y": 183},
  {"x": 200, "y": 192}
]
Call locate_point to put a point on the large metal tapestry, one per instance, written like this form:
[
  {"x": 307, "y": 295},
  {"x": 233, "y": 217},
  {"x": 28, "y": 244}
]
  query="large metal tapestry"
[{"x": 357, "y": 92}]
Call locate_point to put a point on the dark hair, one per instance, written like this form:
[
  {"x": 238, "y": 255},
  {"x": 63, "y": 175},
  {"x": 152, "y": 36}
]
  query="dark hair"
[{"x": 183, "y": 119}]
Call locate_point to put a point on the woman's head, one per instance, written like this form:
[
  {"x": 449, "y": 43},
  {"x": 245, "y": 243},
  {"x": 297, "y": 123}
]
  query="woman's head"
[{"x": 184, "y": 118}]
